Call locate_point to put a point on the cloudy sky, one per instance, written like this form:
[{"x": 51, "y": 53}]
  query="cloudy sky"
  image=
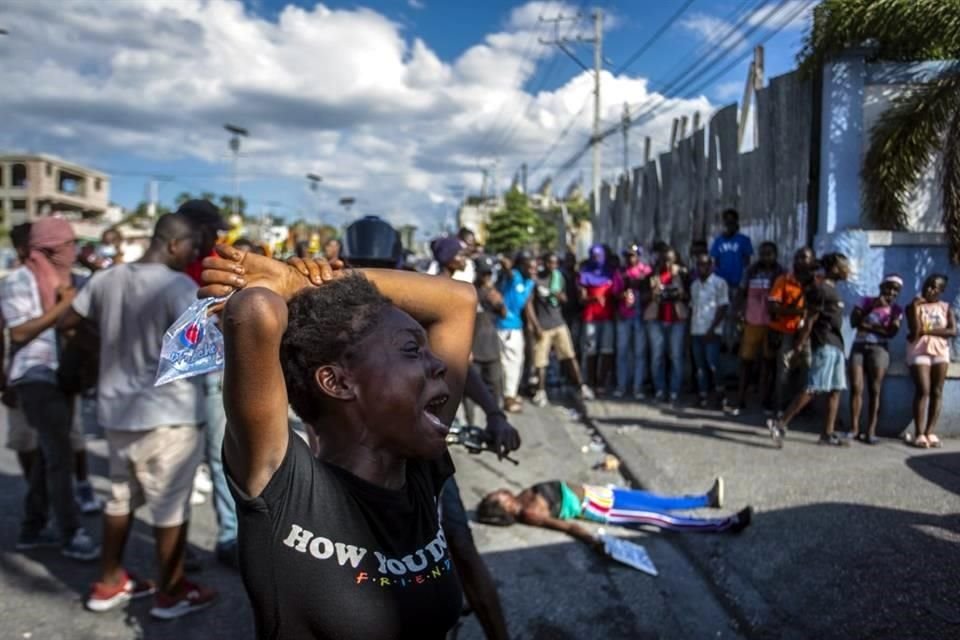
[{"x": 398, "y": 103}]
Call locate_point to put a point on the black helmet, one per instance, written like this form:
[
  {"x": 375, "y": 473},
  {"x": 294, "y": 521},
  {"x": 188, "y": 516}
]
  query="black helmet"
[{"x": 372, "y": 241}]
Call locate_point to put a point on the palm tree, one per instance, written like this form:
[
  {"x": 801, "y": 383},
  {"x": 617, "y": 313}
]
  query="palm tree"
[{"x": 922, "y": 121}]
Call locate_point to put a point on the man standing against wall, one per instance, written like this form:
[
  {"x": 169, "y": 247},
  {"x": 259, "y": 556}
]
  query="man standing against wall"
[
  {"x": 731, "y": 252},
  {"x": 152, "y": 432}
]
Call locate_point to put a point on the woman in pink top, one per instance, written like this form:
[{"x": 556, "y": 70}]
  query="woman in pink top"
[
  {"x": 631, "y": 333},
  {"x": 931, "y": 324}
]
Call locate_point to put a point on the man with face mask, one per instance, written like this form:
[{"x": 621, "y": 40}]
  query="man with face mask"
[{"x": 34, "y": 297}]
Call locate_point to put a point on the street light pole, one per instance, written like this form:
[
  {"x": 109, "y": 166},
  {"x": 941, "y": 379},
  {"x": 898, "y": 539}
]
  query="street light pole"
[
  {"x": 315, "y": 180},
  {"x": 235, "y": 148}
]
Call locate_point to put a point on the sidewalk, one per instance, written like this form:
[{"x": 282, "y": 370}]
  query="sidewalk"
[{"x": 857, "y": 542}]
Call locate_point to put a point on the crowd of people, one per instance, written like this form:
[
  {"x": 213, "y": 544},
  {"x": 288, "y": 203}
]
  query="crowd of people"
[
  {"x": 628, "y": 326},
  {"x": 374, "y": 361}
]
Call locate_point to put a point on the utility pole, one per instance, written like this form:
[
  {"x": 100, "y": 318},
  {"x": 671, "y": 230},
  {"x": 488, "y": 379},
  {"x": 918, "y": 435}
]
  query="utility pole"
[
  {"x": 523, "y": 177},
  {"x": 597, "y": 42},
  {"x": 597, "y": 67},
  {"x": 753, "y": 84},
  {"x": 626, "y": 139}
]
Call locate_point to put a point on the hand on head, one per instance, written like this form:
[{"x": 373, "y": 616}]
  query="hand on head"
[{"x": 231, "y": 269}]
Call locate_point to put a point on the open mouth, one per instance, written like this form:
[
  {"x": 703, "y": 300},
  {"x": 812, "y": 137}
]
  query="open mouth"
[
  {"x": 436, "y": 404},
  {"x": 431, "y": 410}
]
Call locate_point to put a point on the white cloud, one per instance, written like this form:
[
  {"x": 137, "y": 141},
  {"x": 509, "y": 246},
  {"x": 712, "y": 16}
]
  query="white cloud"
[
  {"x": 714, "y": 30},
  {"x": 419, "y": 5},
  {"x": 728, "y": 90},
  {"x": 342, "y": 93}
]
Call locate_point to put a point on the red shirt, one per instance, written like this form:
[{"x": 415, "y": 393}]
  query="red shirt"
[
  {"x": 599, "y": 305},
  {"x": 667, "y": 311},
  {"x": 195, "y": 268}
]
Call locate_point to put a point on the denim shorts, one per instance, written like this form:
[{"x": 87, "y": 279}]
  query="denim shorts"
[
  {"x": 598, "y": 337},
  {"x": 828, "y": 371}
]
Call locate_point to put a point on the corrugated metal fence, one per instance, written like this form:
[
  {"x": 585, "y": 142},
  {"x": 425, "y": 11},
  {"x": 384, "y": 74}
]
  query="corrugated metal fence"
[{"x": 679, "y": 196}]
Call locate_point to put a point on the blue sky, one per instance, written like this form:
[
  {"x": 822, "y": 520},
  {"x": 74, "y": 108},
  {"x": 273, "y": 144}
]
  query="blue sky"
[{"x": 399, "y": 103}]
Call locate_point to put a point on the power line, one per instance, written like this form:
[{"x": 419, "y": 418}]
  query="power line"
[
  {"x": 633, "y": 58},
  {"x": 685, "y": 90},
  {"x": 656, "y": 36}
]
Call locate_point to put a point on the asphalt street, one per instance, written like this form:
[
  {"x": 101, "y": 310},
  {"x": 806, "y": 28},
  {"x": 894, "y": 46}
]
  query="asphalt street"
[
  {"x": 551, "y": 586},
  {"x": 854, "y": 542}
]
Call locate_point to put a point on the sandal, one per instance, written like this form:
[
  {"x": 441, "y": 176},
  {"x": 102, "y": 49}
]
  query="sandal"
[
  {"x": 933, "y": 442},
  {"x": 921, "y": 442}
]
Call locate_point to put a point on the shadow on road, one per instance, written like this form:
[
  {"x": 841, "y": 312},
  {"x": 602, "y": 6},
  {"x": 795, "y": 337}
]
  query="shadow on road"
[
  {"x": 942, "y": 469},
  {"x": 55, "y": 586},
  {"x": 747, "y": 437}
]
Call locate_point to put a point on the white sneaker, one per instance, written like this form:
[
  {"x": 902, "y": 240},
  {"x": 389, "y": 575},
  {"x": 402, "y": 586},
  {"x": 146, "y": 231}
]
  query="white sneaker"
[
  {"x": 197, "y": 498},
  {"x": 586, "y": 392},
  {"x": 202, "y": 481},
  {"x": 540, "y": 398}
]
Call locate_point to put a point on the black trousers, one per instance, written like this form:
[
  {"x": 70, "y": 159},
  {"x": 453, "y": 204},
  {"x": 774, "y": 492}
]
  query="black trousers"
[{"x": 47, "y": 410}]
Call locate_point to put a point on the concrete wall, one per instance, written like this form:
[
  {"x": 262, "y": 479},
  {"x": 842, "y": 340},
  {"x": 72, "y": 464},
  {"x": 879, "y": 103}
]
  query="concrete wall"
[{"x": 855, "y": 94}]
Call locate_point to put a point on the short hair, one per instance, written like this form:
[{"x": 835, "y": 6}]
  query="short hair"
[
  {"x": 730, "y": 212},
  {"x": 464, "y": 232},
  {"x": 172, "y": 226},
  {"x": 324, "y": 324},
  {"x": 932, "y": 278},
  {"x": 546, "y": 257},
  {"x": 20, "y": 235},
  {"x": 769, "y": 244},
  {"x": 491, "y": 511},
  {"x": 831, "y": 260}
]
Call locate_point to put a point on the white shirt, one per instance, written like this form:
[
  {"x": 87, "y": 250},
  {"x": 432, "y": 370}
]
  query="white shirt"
[
  {"x": 706, "y": 296},
  {"x": 20, "y": 303},
  {"x": 469, "y": 273}
]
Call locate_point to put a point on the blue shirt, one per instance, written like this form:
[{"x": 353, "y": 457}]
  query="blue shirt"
[
  {"x": 731, "y": 256},
  {"x": 516, "y": 291}
]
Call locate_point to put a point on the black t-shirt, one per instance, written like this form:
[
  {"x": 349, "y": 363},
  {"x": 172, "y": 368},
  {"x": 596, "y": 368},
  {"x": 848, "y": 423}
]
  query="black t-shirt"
[
  {"x": 486, "y": 344},
  {"x": 325, "y": 554},
  {"x": 552, "y": 493},
  {"x": 823, "y": 298},
  {"x": 545, "y": 303}
]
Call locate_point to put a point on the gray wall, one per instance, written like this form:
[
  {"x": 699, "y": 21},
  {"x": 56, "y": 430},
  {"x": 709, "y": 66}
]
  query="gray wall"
[{"x": 678, "y": 196}]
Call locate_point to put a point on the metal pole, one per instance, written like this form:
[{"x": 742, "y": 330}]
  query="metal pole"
[
  {"x": 626, "y": 140},
  {"x": 597, "y": 66},
  {"x": 235, "y": 145}
]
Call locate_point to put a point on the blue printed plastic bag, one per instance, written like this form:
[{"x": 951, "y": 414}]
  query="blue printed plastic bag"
[{"x": 193, "y": 345}]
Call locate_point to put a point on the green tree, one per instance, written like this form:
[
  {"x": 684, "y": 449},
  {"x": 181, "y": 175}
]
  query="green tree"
[
  {"x": 920, "y": 122},
  {"x": 517, "y": 226}
]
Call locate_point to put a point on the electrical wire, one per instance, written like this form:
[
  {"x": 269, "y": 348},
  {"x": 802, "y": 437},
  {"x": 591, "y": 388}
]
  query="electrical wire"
[
  {"x": 685, "y": 90},
  {"x": 656, "y": 36}
]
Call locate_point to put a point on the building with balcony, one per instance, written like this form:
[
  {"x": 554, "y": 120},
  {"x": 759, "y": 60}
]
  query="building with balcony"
[{"x": 34, "y": 185}]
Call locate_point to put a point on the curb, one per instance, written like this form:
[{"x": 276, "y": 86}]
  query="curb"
[{"x": 698, "y": 556}]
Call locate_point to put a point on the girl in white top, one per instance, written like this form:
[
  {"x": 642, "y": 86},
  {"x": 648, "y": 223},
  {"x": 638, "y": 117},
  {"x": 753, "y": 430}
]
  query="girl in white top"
[{"x": 931, "y": 324}]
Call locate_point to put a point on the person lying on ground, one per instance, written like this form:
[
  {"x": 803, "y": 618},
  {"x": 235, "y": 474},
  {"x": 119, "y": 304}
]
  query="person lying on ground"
[
  {"x": 555, "y": 504},
  {"x": 374, "y": 361}
]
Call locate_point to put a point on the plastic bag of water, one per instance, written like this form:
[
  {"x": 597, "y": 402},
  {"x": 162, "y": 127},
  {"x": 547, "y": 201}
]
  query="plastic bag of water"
[{"x": 193, "y": 345}]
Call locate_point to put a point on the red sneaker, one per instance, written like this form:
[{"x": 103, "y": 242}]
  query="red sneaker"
[
  {"x": 104, "y": 597},
  {"x": 188, "y": 597}
]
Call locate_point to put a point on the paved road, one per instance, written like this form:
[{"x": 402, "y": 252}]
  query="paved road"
[
  {"x": 552, "y": 587},
  {"x": 860, "y": 542}
]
